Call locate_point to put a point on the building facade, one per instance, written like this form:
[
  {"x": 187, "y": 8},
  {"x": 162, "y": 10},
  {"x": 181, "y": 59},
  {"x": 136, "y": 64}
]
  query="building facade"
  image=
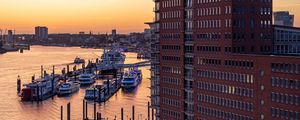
[
  {"x": 216, "y": 62},
  {"x": 286, "y": 40},
  {"x": 155, "y": 68},
  {"x": 41, "y": 33},
  {"x": 283, "y": 18},
  {"x": 10, "y": 36},
  {"x": 155, "y": 61}
]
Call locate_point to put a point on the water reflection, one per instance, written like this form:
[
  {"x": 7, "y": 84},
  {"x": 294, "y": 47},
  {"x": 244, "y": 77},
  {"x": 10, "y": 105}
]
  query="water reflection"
[{"x": 28, "y": 64}]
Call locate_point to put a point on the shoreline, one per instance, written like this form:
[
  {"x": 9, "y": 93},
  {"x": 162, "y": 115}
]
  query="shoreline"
[{"x": 2, "y": 51}]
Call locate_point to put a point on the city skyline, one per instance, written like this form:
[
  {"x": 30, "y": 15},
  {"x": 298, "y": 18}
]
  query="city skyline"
[{"x": 98, "y": 16}]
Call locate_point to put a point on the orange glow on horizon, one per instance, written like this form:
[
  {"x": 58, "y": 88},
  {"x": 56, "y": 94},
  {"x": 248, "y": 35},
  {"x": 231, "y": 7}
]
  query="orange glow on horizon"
[{"x": 64, "y": 16}]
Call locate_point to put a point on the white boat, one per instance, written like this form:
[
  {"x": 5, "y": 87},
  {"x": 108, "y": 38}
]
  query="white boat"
[
  {"x": 91, "y": 93},
  {"x": 113, "y": 56},
  {"x": 68, "y": 88},
  {"x": 109, "y": 59},
  {"x": 41, "y": 88},
  {"x": 87, "y": 79},
  {"x": 132, "y": 78}
]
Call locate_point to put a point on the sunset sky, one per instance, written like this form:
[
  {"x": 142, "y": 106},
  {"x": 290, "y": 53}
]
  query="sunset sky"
[{"x": 63, "y": 16}]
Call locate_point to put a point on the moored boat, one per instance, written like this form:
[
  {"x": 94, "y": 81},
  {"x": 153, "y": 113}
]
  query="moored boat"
[
  {"x": 132, "y": 78},
  {"x": 68, "y": 88},
  {"x": 87, "y": 79},
  {"x": 40, "y": 89},
  {"x": 92, "y": 93},
  {"x": 111, "y": 58}
]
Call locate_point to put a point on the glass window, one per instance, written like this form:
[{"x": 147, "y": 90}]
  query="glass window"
[
  {"x": 296, "y": 116},
  {"x": 291, "y": 115},
  {"x": 273, "y": 112},
  {"x": 296, "y": 100},
  {"x": 297, "y": 83},
  {"x": 273, "y": 81}
]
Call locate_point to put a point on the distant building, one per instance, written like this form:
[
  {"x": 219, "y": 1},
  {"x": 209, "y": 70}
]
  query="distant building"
[
  {"x": 283, "y": 18},
  {"x": 286, "y": 40},
  {"x": 10, "y": 36},
  {"x": 81, "y": 33},
  {"x": 41, "y": 33},
  {"x": 114, "y": 32}
]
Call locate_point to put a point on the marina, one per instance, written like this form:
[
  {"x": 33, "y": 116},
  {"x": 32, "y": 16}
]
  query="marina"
[
  {"x": 111, "y": 63},
  {"x": 119, "y": 96}
]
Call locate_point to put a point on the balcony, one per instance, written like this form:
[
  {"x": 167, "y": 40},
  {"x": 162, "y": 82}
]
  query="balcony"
[
  {"x": 155, "y": 9},
  {"x": 189, "y": 43},
  {"x": 188, "y": 89},
  {"x": 189, "y": 113},
  {"x": 188, "y": 30},
  {"x": 189, "y": 78},
  {"x": 155, "y": 61},
  {"x": 154, "y": 94},
  {"x": 189, "y": 54},
  {"x": 155, "y": 106},
  {"x": 188, "y": 101},
  {"x": 188, "y": 66},
  {"x": 188, "y": 18},
  {"x": 155, "y": 50},
  {"x": 188, "y": 6}
]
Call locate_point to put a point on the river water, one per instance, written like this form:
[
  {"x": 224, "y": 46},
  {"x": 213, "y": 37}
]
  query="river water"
[{"x": 13, "y": 64}]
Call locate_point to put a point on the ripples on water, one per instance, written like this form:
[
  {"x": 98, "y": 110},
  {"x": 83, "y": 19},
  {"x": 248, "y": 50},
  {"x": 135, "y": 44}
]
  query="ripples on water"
[{"x": 13, "y": 64}]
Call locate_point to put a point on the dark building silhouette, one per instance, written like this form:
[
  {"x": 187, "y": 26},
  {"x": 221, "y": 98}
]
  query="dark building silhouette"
[
  {"x": 41, "y": 33},
  {"x": 283, "y": 18}
]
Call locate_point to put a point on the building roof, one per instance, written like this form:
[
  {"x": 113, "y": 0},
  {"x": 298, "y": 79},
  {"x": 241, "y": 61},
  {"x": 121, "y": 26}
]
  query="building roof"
[{"x": 286, "y": 27}]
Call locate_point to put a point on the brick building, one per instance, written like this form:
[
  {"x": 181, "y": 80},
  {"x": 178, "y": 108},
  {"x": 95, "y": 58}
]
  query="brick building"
[{"x": 216, "y": 62}]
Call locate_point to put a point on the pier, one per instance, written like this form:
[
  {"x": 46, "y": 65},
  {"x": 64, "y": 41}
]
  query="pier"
[
  {"x": 108, "y": 90},
  {"x": 105, "y": 92},
  {"x": 97, "y": 115}
]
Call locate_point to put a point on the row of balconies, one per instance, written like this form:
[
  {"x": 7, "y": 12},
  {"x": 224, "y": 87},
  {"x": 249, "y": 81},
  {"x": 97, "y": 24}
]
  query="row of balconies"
[{"x": 188, "y": 76}]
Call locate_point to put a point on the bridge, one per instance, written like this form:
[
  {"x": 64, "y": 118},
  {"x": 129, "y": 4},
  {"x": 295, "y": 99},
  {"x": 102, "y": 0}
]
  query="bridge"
[{"x": 118, "y": 66}]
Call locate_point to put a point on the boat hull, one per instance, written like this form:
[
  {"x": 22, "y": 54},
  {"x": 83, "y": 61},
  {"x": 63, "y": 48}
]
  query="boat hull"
[{"x": 67, "y": 92}]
